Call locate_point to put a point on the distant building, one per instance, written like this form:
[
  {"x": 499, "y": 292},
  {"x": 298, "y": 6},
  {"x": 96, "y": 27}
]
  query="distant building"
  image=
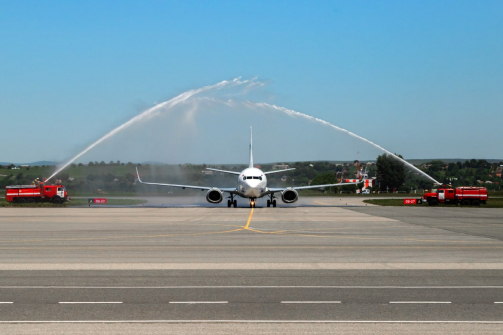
[
  {"x": 279, "y": 166},
  {"x": 207, "y": 172}
]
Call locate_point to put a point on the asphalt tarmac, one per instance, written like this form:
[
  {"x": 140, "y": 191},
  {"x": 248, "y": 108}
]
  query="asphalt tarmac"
[{"x": 323, "y": 261}]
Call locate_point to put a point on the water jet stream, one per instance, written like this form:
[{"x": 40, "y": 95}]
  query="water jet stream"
[
  {"x": 151, "y": 112},
  {"x": 231, "y": 103},
  {"x": 312, "y": 118}
]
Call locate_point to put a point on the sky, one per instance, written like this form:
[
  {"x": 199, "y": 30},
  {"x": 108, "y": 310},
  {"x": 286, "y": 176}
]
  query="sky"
[{"x": 420, "y": 78}]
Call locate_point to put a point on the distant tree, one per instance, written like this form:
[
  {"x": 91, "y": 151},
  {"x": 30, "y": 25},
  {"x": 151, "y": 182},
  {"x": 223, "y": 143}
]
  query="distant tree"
[
  {"x": 325, "y": 178},
  {"x": 349, "y": 188},
  {"x": 108, "y": 178},
  {"x": 90, "y": 164},
  {"x": 390, "y": 172},
  {"x": 19, "y": 176},
  {"x": 102, "y": 163},
  {"x": 80, "y": 164}
]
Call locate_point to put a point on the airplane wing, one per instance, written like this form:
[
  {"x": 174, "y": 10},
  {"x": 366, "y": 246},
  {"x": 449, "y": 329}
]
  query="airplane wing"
[
  {"x": 321, "y": 186},
  {"x": 276, "y": 171},
  {"x": 224, "y": 171},
  {"x": 202, "y": 188},
  {"x": 275, "y": 190}
]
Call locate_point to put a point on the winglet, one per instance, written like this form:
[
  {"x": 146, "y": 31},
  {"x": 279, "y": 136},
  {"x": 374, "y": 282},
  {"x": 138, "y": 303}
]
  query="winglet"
[{"x": 138, "y": 175}]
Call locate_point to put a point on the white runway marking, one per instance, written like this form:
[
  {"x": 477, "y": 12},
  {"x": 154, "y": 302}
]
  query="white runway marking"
[
  {"x": 256, "y": 321},
  {"x": 198, "y": 302},
  {"x": 419, "y": 302},
  {"x": 90, "y": 302},
  {"x": 251, "y": 286},
  {"x": 6, "y": 302},
  {"x": 310, "y": 302}
]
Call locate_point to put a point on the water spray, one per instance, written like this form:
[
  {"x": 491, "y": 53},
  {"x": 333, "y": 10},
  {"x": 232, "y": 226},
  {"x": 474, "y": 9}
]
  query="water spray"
[
  {"x": 236, "y": 82},
  {"x": 293, "y": 113},
  {"x": 156, "y": 109}
]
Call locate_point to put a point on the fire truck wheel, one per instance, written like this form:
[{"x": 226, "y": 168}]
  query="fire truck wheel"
[
  {"x": 21, "y": 201},
  {"x": 57, "y": 200},
  {"x": 465, "y": 202},
  {"x": 433, "y": 202},
  {"x": 475, "y": 202},
  {"x": 30, "y": 200}
]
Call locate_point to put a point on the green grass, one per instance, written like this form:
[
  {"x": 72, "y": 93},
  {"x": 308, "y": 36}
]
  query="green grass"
[
  {"x": 491, "y": 203},
  {"x": 77, "y": 202}
]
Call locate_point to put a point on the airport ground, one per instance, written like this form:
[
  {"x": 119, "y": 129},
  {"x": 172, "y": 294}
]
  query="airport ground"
[{"x": 327, "y": 265}]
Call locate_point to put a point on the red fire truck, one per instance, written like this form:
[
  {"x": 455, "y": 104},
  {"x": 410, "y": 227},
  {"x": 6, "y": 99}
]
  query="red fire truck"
[
  {"x": 56, "y": 194},
  {"x": 459, "y": 195}
]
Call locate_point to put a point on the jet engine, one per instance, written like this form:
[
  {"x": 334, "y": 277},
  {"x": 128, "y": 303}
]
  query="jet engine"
[
  {"x": 214, "y": 196},
  {"x": 289, "y": 196}
]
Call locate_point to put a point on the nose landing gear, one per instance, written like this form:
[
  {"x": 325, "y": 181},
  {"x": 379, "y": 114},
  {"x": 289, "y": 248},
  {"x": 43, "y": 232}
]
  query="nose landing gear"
[{"x": 252, "y": 203}]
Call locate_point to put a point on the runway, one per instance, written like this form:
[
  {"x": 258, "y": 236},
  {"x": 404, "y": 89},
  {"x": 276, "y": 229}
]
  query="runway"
[
  {"x": 322, "y": 262},
  {"x": 287, "y": 295}
]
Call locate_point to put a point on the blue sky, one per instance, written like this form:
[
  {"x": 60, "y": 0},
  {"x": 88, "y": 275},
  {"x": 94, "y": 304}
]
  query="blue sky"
[{"x": 421, "y": 78}]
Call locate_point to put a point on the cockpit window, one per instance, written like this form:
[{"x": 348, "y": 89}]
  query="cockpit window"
[{"x": 251, "y": 177}]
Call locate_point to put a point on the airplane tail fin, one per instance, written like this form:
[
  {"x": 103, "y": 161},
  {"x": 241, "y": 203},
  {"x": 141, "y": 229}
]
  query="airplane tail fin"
[{"x": 251, "y": 148}]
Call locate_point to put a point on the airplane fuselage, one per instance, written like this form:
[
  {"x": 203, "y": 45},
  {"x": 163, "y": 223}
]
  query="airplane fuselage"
[{"x": 252, "y": 183}]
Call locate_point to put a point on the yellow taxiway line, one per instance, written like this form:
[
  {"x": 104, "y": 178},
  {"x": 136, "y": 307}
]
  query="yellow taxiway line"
[{"x": 249, "y": 219}]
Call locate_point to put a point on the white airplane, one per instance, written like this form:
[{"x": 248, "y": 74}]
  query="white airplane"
[{"x": 252, "y": 184}]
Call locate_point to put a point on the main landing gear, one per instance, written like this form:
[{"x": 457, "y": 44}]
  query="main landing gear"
[
  {"x": 232, "y": 201},
  {"x": 271, "y": 201}
]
